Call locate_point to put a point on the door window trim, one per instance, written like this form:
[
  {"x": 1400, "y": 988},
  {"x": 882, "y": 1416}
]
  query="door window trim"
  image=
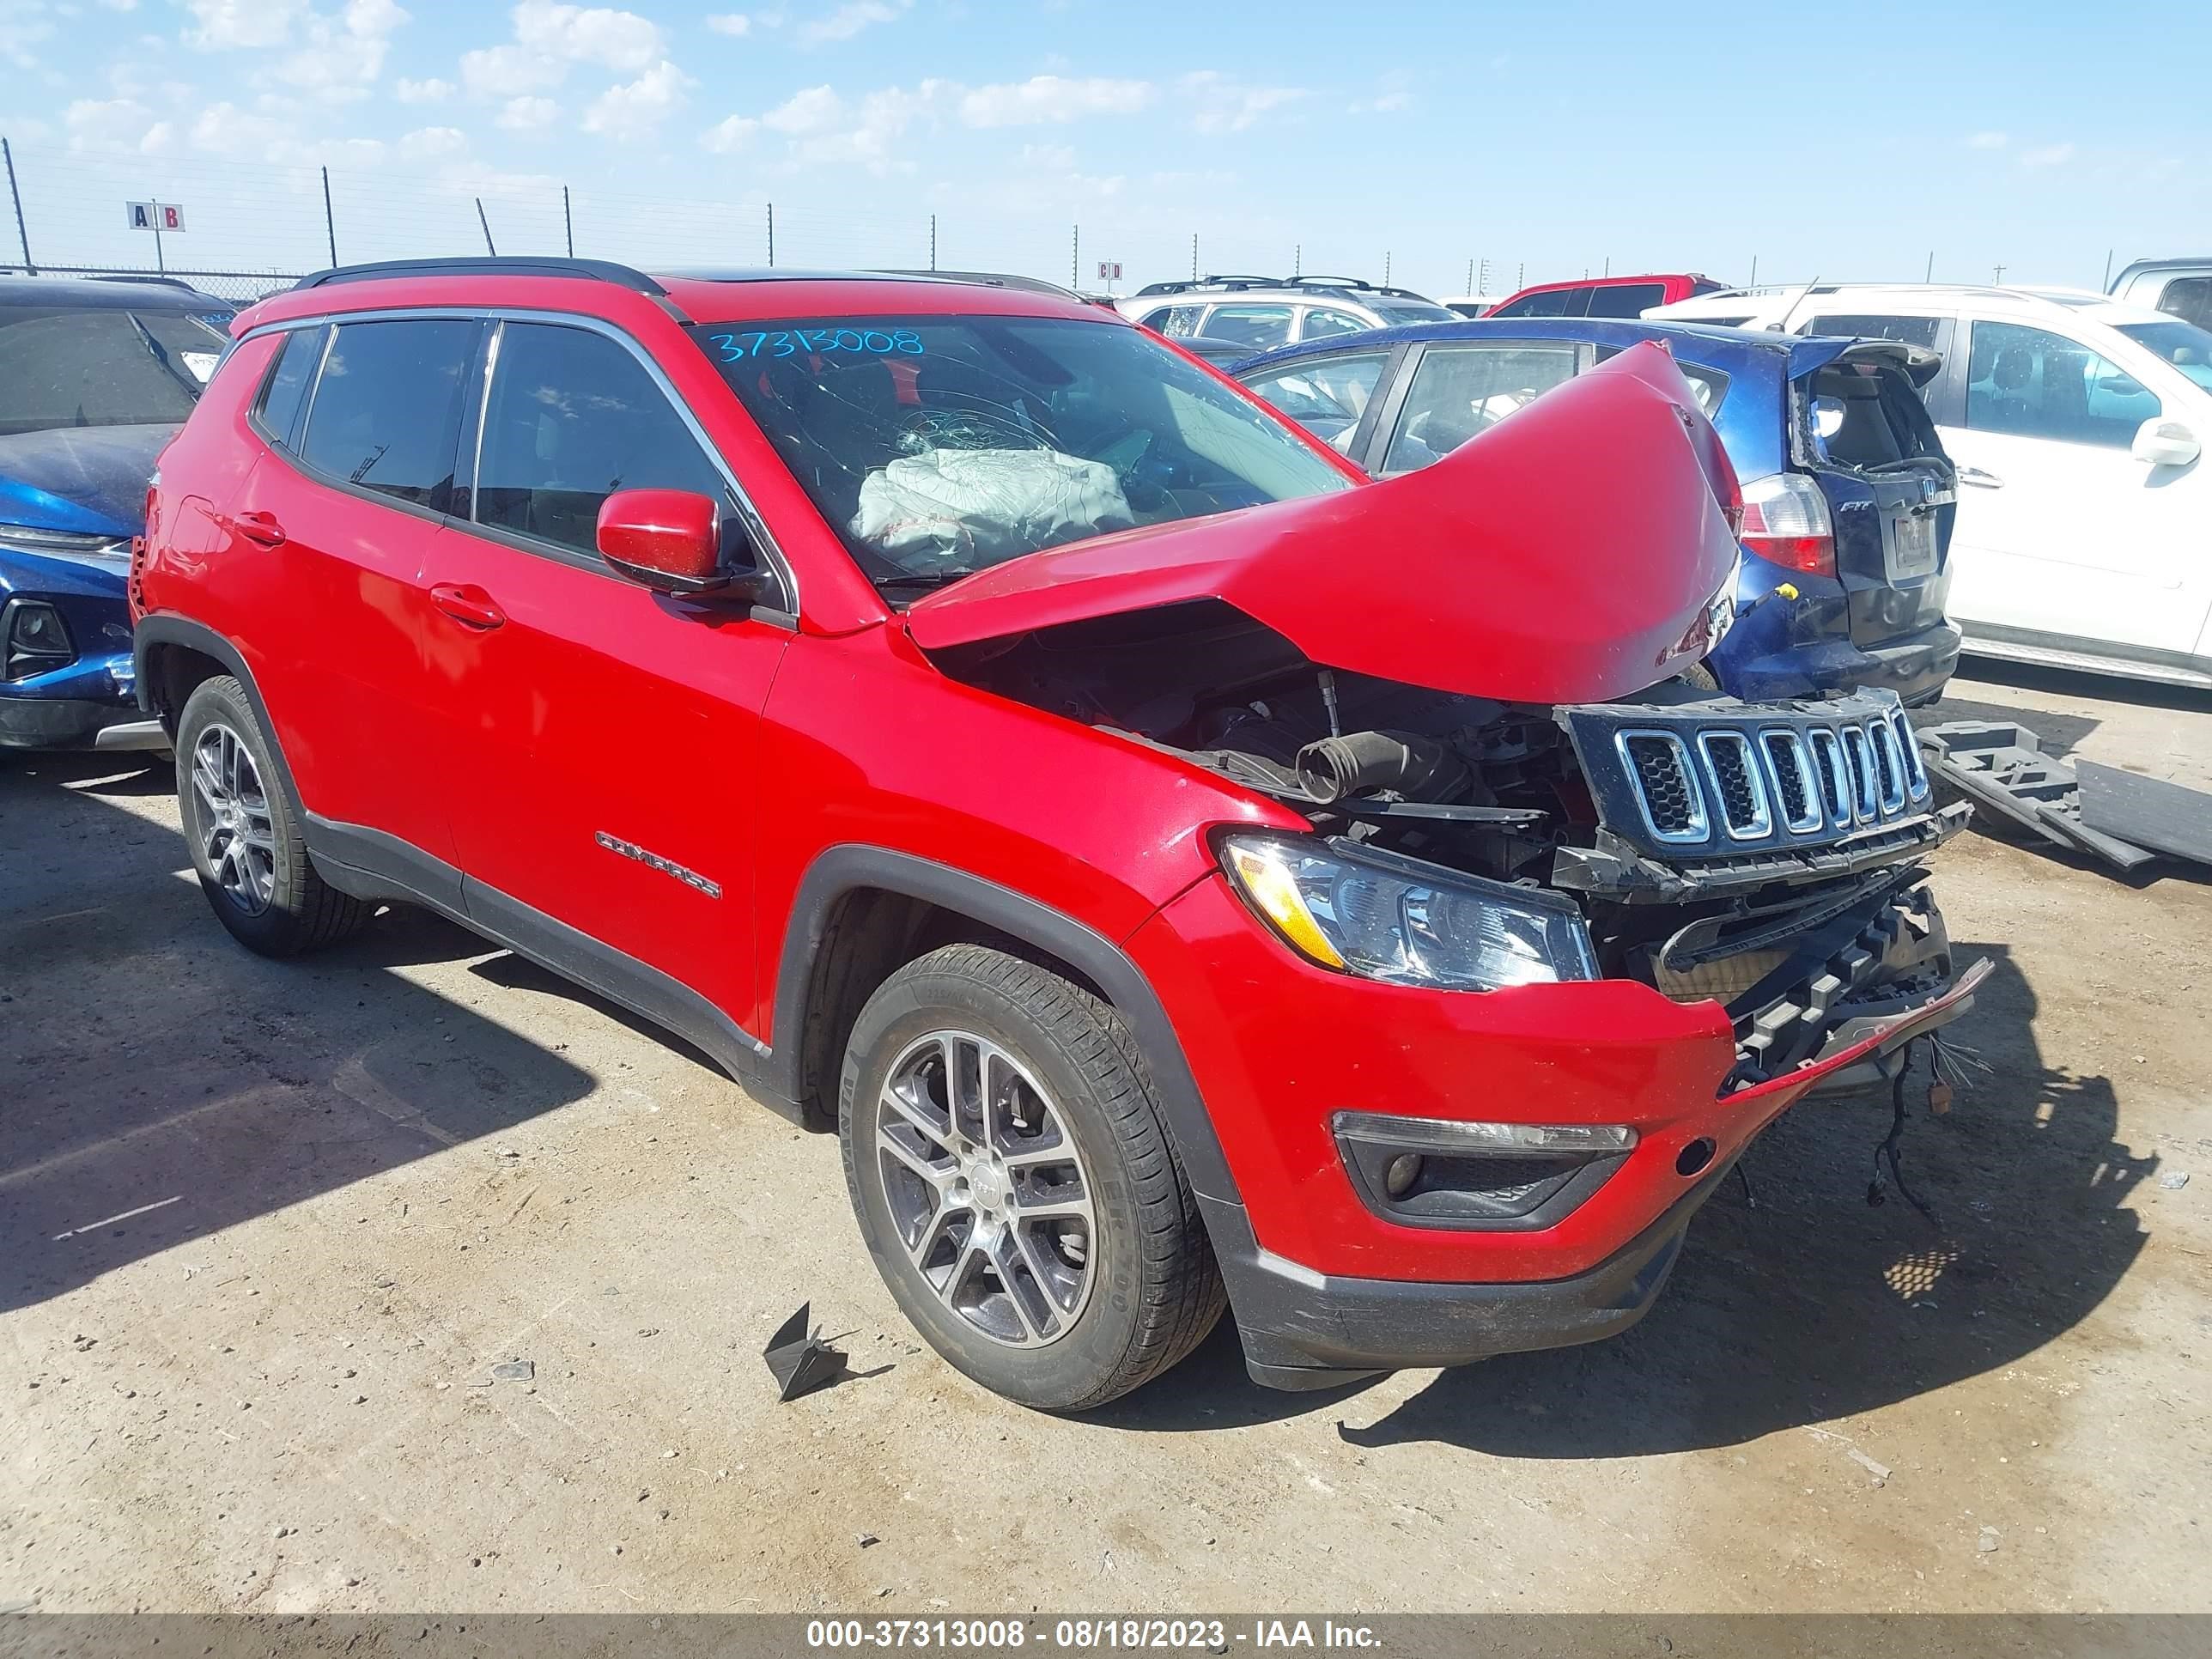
[
  {"x": 1351, "y": 347},
  {"x": 756, "y": 530},
  {"x": 1392, "y": 407}
]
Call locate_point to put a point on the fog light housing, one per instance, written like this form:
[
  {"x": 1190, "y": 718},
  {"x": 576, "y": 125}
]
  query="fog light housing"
[
  {"x": 36, "y": 641},
  {"x": 1447, "y": 1172}
]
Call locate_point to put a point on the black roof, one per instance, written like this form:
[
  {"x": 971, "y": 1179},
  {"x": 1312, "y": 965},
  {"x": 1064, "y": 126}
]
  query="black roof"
[{"x": 126, "y": 293}]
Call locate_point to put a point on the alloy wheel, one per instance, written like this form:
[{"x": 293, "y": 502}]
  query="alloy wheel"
[
  {"x": 985, "y": 1187},
  {"x": 237, "y": 845}
]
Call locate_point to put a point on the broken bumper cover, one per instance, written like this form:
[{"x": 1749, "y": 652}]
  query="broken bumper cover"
[{"x": 1303, "y": 1329}]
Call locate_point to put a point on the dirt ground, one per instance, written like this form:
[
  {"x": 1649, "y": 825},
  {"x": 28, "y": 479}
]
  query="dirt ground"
[{"x": 265, "y": 1229}]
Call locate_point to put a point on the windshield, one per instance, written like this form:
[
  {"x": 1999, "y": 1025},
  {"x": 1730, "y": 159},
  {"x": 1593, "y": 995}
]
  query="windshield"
[
  {"x": 2185, "y": 345},
  {"x": 1392, "y": 314},
  {"x": 104, "y": 366},
  {"x": 936, "y": 446}
]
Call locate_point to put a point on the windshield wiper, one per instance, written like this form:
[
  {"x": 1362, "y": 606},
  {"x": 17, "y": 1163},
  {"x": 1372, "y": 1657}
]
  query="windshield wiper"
[
  {"x": 922, "y": 578},
  {"x": 161, "y": 355}
]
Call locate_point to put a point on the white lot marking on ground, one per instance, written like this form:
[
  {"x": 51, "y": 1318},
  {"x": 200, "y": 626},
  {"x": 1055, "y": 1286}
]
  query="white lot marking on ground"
[
  {"x": 109, "y": 1221},
  {"x": 353, "y": 1081},
  {"x": 30, "y": 1172}
]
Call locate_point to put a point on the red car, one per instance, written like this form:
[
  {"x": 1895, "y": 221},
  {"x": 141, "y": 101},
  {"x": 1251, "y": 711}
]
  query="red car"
[
  {"x": 1175, "y": 865},
  {"x": 1605, "y": 296}
]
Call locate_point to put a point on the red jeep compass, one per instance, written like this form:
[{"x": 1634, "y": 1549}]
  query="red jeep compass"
[{"x": 1180, "y": 868}]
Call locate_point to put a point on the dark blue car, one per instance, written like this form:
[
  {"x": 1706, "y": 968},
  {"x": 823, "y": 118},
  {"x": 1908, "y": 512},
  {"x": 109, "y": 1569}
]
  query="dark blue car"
[
  {"x": 1849, "y": 497},
  {"x": 95, "y": 377}
]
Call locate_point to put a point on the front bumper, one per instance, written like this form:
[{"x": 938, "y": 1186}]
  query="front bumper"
[
  {"x": 49, "y": 722},
  {"x": 1319, "y": 1282}
]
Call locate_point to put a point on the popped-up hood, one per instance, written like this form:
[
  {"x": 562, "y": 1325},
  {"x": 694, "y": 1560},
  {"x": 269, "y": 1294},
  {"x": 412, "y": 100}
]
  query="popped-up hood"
[
  {"x": 1570, "y": 554},
  {"x": 91, "y": 479}
]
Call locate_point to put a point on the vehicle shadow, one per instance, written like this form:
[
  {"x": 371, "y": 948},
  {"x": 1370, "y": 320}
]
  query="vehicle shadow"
[
  {"x": 1811, "y": 1306},
  {"x": 162, "y": 1084},
  {"x": 2069, "y": 683}
]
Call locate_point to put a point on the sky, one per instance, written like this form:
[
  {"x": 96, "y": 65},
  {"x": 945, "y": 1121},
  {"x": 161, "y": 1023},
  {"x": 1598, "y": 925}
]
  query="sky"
[{"x": 1417, "y": 138}]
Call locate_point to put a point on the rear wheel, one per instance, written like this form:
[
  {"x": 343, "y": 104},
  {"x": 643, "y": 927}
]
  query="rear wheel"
[
  {"x": 1015, "y": 1184},
  {"x": 247, "y": 839}
]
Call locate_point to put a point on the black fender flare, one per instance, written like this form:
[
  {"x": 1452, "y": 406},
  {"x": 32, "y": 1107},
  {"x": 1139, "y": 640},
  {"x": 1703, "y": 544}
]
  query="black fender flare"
[
  {"x": 161, "y": 628},
  {"x": 849, "y": 866}
]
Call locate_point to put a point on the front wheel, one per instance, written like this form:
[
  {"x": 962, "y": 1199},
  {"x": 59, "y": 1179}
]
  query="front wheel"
[{"x": 1015, "y": 1183}]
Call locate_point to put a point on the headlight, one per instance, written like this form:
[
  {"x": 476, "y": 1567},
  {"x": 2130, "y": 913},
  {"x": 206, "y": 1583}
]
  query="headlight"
[
  {"x": 66, "y": 544},
  {"x": 1381, "y": 917}
]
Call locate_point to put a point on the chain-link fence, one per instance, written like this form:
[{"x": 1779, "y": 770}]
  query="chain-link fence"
[{"x": 248, "y": 227}]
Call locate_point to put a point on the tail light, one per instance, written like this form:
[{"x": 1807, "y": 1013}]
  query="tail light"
[{"x": 1785, "y": 520}]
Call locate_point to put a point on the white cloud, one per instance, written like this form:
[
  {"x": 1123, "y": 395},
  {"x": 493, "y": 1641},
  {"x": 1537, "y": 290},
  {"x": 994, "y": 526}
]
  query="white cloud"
[
  {"x": 848, "y": 20},
  {"x": 1987, "y": 140},
  {"x": 120, "y": 5},
  {"x": 596, "y": 34},
  {"x": 2050, "y": 156},
  {"x": 815, "y": 109},
  {"x": 731, "y": 22},
  {"x": 346, "y": 52},
  {"x": 220, "y": 24},
  {"x": 636, "y": 107},
  {"x": 1390, "y": 103},
  {"x": 503, "y": 72},
  {"x": 1222, "y": 105},
  {"x": 115, "y": 125},
  {"x": 428, "y": 143},
  {"x": 431, "y": 91},
  {"x": 527, "y": 114},
  {"x": 1043, "y": 98},
  {"x": 22, "y": 25},
  {"x": 271, "y": 132},
  {"x": 726, "y": 138}
]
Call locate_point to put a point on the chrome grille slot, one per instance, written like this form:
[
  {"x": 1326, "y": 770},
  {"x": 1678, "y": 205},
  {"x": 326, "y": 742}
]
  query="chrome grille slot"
[
  {"x": 1797, "y": 793},
  {"x": 1916, "y": 773},
  {"x": 1738, "y": 787},
  {"x": 1834, "y": 779},
  {"x": 1888, "y": 764},
  {"x": 1865, "y": 790},
  {"x": 1666, "y": 787}
]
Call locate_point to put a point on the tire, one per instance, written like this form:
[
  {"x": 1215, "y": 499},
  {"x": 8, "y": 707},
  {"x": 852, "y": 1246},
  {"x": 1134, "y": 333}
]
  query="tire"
[
  {"x": 1074, "y": 1098},
  {"x": 247, "y": 835}
]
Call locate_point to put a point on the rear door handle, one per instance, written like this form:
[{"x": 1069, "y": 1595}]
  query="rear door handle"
[
  {"x": 1979, "y": 479},
  {"x": 467, "y": 603},
  {"x": 260, "y": 528}
]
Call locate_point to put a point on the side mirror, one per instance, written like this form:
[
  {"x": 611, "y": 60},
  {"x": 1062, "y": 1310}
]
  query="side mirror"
[
  {"x": 2161, "y": 442},
  {"x": 668, "y": 539}
]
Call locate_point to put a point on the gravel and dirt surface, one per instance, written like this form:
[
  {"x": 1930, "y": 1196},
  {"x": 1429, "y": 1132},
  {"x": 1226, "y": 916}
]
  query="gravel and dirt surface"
[{"x": 266, "y": 1229}]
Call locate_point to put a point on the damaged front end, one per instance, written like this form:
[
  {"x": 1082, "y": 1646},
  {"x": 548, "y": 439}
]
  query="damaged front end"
[{"x": 1509, "y": 777}]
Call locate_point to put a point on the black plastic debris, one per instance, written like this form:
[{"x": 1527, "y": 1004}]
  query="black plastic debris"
[
  {"x": 797, "y": 1357},
  {"x": 2002, "y": 766},
  {"x": 2166, "y": 817}
]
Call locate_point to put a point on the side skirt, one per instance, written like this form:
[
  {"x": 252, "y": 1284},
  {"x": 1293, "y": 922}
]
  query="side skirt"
[{"x": 370, "y": 865}]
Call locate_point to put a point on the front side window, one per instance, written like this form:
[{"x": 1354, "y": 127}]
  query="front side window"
[
  {"x": 102, "y": 366},
  {"x": 936, "y": 446},
  {"x": 572, "y": 418},
  {"x": 1867, "y": 325},
  {"x": 1326, "y": 398},
  {"x": 1460, "y": 391},
  {"x": 2183, "y": 345},
  {"x": 385, "y": 411},
  {"x": 2031, "y": 383},
  {"x": 1257, "y": 326}
]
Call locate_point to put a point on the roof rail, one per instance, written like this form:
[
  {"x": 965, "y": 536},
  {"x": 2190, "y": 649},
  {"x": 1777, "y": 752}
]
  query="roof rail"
[
  {"x": 595, "y": 270},
  {"x": 151, "y": 281}
]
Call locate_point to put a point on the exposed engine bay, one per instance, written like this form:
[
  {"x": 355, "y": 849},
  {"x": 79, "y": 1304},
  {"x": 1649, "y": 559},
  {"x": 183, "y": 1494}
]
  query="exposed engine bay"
[{"x": 1766, "y": 856}]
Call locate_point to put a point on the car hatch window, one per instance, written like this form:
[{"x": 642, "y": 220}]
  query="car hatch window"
[
  {"x": 386, "y": 408},
  {"x": 2031, "y": 383},
  {"x": 573, "y": 417},
  {"x": 1625, "y": 299},
  {"x": 1868, "y": 325},
  {"x": 1257, "y": 326},
  {"x": 2189, "y": 298},
  {"x": 1176, "y": 322},
  {"x": 1322, "y": 321},
  {"x": 1327, "y": 396},
  {"x": 1460, "y": 391}
]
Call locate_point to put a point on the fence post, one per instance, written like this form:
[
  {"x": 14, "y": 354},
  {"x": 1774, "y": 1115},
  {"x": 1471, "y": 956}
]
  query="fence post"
[
  {"x": 1075, "y": 258},
  {"x": 1298, "y": 260},
  {"x": 1386, "y": 267},
  {"x": 568, "y": 224},
  {"x": 16, "y": 196},
  {"x": 771, "y": 236},
  {"x": 932, "y": 241},
  {"x": 1193, "y": 256},
  {"x": 330, "y": 223}
]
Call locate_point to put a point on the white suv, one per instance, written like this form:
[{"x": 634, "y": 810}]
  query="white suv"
[
  {"x": 2078, "y": 425},
  {"x": 1266, "y": 312}
]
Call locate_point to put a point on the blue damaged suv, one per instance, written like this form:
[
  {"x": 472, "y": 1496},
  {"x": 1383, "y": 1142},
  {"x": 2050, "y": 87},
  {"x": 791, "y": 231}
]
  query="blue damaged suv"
[
  {"x": 1849, "y": 498},
  {"x": 96, "y": 376}
]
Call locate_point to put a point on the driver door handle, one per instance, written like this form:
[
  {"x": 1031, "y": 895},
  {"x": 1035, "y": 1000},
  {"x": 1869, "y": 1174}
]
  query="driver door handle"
[
  {"x": 260, "y": 528},
  {"x": 1979, "y": 479},
  {"x": 468, "y": 604}
]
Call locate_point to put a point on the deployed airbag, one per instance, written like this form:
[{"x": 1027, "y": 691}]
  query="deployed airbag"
[{"x": 990, "y": 503}]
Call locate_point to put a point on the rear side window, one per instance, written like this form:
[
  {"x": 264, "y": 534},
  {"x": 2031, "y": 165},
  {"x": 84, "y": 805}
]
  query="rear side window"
[
  {"x": 1322, "y": 321},
  {"x": 1257, "y": 326},
  {"x": 386, "y": 408},
  {"x": 1551, "y": 302},
  {"x": 1913, "y": 331},
  {"x": 1460, "y": 390},
  {"x": 1624, "y": 299},
  {"x": 572, "y": 418},
  {"x": 285, "y": 391}
]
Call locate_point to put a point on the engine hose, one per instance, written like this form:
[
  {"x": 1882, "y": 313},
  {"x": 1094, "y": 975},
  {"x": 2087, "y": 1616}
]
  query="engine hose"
[{"x": 1418, "y": 768}]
